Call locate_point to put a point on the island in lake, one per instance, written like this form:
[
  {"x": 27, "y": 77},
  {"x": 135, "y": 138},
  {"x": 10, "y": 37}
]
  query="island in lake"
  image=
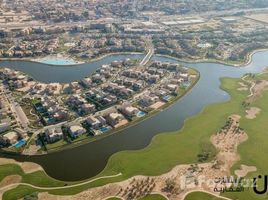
[{"x": 46, "y": 117}]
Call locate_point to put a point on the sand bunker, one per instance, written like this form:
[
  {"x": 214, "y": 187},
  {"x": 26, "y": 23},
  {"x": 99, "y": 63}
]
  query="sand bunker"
[
  {"x": 27, "y": 167},
  {"x": 10, "y": 180},
  {"x": 252, "y": 112},
  {"x": 244, "y": 170},
  {"x": 243, "y": 87}
]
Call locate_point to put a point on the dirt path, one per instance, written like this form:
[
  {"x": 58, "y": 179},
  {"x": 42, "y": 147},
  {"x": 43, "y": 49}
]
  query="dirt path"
[
  {"x": 13, "y": 185},
  {"x": 251, "y": 90},
  {"x": 256, "y": 90},
  {"x": 62, "y": 187}
]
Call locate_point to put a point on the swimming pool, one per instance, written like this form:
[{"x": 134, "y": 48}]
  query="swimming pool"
[
  {"x": 140, "y": 114},
  {"x": 20, "y": 143},
  {"x": 104, "y": 129},
  {"x": 166, "y": 98}
]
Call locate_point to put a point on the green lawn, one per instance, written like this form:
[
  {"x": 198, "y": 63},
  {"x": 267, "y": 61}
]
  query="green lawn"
[
  {"x": 153, "y": 197},
  {"x": 201, "y": 196},
  {"x": 38, "y": 178},
  {"x": 20, "y": 192},
  {"x": 6, "y": 170},
  {"x": 169, "y": 149}
]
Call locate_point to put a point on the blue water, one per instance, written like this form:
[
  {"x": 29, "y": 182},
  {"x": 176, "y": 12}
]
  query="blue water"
[
  {"x": 93, "y": 157},
  {"x": 63, "y": 73},
  {"x": 140, "y": 114},
  {"x": 58, "y": 61},
  {"x": 20, "y": 143},
  {"x": 166, "y": 98},
  {"x": 104, "y": 129}
]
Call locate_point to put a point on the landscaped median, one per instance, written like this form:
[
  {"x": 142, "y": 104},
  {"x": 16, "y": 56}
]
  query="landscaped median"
[{"x": 182, "y": 147}]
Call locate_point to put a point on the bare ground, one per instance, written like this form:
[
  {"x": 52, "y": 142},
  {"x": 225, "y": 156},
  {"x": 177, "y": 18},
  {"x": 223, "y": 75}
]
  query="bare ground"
[
  {"x": 256, "y": 90},
  {"x": 10, "y": 180},
  {"x": 252, "y": 112},
  {"x": 244, "y": 170},
  {"x": 27, "y": 167}
]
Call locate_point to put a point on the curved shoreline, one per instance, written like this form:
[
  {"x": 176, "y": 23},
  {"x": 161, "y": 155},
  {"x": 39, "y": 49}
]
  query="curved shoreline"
[
  {"x": 112, "y": 132},
  {"x": 129, "y": 125},
  {"x": 71, "y": 65},
  {"x": 247, "y": 60},
  {"x": 152, "y": 138},
  {"x": 184, "y": 123}
]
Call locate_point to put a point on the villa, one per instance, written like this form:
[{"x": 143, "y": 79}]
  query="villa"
[
  {"x": 184, "y": 76},
  {"x": 60, "y": 114},
  {"x": 86, "y": 82},
  {"x": 73, "y": 87},
  {"x": 87, "y": 108},
  {"x": 116, "y": 119},
  {"x": 11, "y": 137},
  {"x": 76, "y": 130},
  {"x": 96, "y": 122},
  {"x": 130, "y": 111},
  {"x": 53, "y": 134},
  {"x": 148, "y": 100},
  {"x": 172, "y": 87},
  {"x": 4, "y": 126}
]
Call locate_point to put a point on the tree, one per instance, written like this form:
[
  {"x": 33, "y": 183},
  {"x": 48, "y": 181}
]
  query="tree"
[{"x": 170, "y": 185}]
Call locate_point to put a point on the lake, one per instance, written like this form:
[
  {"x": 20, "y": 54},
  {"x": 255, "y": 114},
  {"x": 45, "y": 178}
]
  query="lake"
[{"x": 88, "y": 160}]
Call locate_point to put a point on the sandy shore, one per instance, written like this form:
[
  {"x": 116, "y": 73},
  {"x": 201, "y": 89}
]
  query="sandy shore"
[
  {"x": 72, "y": 61},
  {"x": 248, "y": 59}
]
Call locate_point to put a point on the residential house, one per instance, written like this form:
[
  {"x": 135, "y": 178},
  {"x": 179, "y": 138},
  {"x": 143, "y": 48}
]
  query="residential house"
[
  {"x": 114, "y": 119},
  {"x": 53, "y": 134},
  {"x": 12, "y": 137},
  {"x": 148, "y": 100},
  {"x": 130, "y": 111},
  {"x": 76, "y": 131}
]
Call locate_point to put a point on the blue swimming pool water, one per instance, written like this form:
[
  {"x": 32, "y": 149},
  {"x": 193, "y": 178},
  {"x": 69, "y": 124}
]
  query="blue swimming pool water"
[
  {"x": 20, "y": 143},
  {"x": 58, "y": 61},
  {"x": 140, "y": 114},
  {"x": 104, "y": 129},
  {"x": 166, "y": 98}
]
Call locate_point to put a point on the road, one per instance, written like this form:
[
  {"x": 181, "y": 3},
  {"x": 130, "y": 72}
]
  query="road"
[
  {"x": 147, "y": 58},
  {"x": 22, "y": 118},
  {"x": 16, "y": 109},
  {"x": 37, "y": 24},
  {"x": 150, "y": 48}
]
